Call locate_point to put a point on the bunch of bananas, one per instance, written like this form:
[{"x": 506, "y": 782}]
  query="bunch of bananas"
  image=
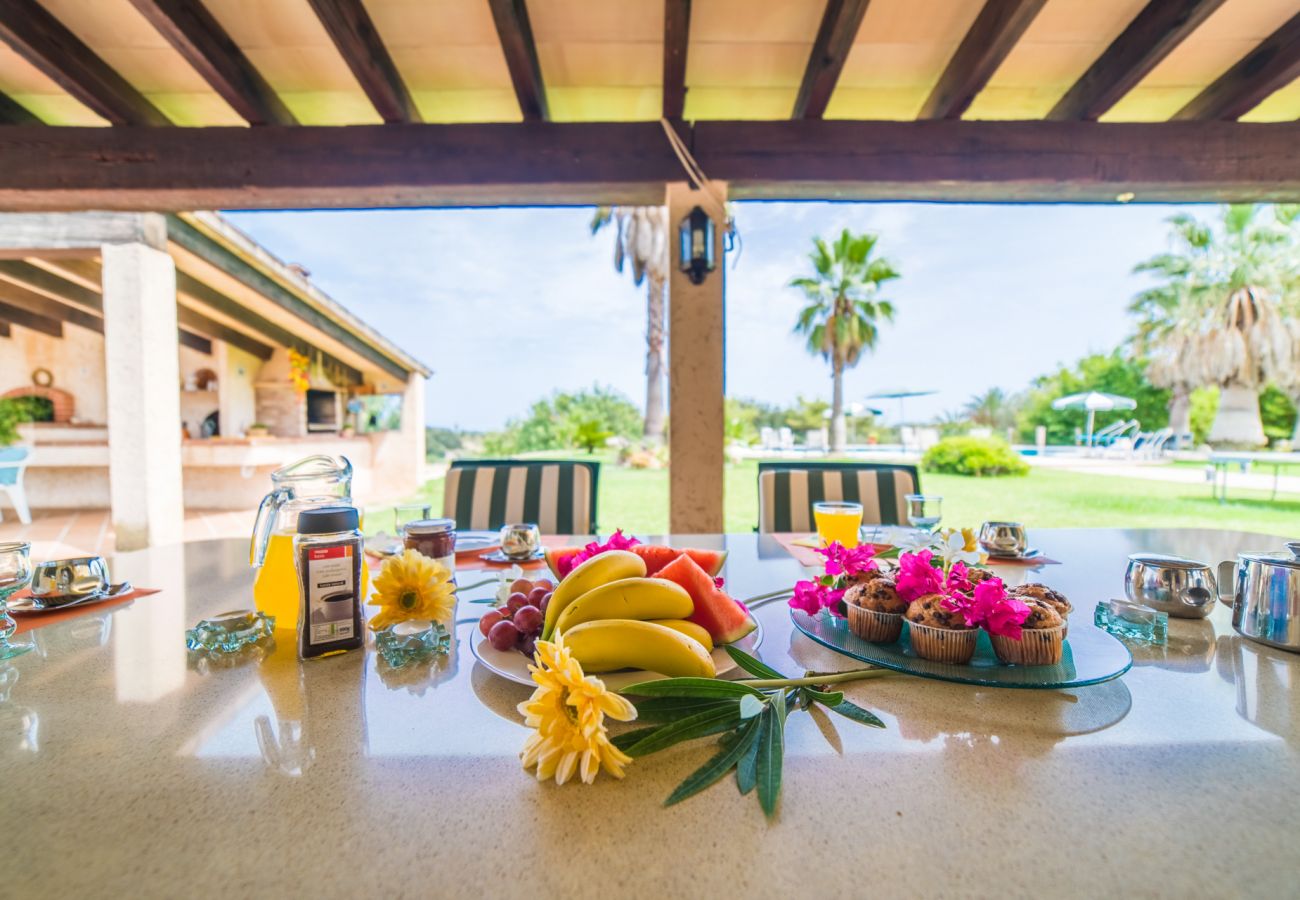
[{"x": 611, "y": 616}]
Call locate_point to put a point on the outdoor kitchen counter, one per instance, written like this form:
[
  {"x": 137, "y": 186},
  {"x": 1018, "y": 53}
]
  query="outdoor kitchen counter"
[{"x": 127, "y": 772}]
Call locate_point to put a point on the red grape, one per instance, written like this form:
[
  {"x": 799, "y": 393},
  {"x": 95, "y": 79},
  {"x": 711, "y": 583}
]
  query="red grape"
[
  {"x": 544, "y": 583},
  {"x": 535, "y": 596},
  {"x": 528, "y": 646},
  {"x": 490, "y": 618},
  {"x": 521, "y": 586},
  {"x": 528, "y": 619},
  {"x": 516, "y": 600},
  {"x": 546, "y": 601},
  {"x": 503, "y": 635}
]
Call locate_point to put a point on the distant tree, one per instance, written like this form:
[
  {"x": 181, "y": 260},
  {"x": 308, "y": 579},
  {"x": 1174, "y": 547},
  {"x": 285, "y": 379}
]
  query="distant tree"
[
  {"x": 843, "y": 309},
  {"x": 641, "y": 237},
  {"x": 1111, "y": 373},
  {"x": 565, "y": 420},
  {"x": 994, "y": 408}
]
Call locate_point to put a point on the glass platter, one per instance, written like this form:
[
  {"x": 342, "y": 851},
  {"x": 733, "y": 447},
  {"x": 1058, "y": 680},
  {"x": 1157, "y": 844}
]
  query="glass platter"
[{"x": 1091, "y": 656}]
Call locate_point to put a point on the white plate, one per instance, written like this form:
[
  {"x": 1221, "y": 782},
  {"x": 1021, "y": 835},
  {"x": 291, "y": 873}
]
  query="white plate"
[
  {"x": 476, "y": 541},
  {"x": 513, "y": 665}
]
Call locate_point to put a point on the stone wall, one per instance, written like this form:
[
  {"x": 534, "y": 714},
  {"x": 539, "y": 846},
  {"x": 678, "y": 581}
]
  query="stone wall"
[{"x": 278, "y": 405}]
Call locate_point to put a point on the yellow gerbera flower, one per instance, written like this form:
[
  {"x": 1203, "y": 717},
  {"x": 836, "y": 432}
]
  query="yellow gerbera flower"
[
  {"x": 568, "y": 711},
  {"x": 412, "y": 586}
]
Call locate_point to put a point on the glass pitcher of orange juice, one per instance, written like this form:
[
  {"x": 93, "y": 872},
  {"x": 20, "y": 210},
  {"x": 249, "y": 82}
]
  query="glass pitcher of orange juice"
[{"x": 308, "y": 483}]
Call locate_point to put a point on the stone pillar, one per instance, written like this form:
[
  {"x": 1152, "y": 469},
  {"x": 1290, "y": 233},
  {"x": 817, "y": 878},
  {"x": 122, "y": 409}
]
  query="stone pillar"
[
  {"x": 696, "y": 356},
  {"x": 143, "y": 375}
]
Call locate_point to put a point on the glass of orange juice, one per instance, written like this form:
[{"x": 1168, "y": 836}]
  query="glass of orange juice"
[{"x": 838, "y": 521}]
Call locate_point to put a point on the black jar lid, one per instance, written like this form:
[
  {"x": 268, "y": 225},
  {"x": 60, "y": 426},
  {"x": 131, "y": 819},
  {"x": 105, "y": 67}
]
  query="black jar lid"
[{"x": 328, "y": 520}]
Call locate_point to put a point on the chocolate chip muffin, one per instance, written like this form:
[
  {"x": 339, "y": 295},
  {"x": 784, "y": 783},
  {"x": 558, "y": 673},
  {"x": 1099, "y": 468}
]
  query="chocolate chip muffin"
[
  {"x": 875, "y": 611},
  {"x": 865, "y": 577},
  {"x": 1042, "y": 637},
  {"x": 939, "y": 633},
  {"x": 976, "y": 575},
  {"x": 1043, "y": 594}
]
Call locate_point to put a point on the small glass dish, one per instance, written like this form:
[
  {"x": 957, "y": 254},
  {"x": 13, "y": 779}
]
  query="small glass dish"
[
  {"x": 404, "y": 643},
  {"x": 230, "y": 632},
  {"x": 1126, "y": 619}
]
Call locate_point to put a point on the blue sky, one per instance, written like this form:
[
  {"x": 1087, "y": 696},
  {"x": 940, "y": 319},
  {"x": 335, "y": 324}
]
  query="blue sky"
[{"x": 509, "y": 304}]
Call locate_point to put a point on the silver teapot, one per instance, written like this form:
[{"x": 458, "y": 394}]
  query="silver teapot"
[{"x": 1265, "y": 596}]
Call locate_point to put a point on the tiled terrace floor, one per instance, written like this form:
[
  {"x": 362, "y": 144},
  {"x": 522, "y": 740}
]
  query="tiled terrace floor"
[{"x": 61, "y": 534}]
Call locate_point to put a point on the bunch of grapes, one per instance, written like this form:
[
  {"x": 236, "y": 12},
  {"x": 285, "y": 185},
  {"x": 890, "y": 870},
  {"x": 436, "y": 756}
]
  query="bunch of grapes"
[{"x": 518, "y": 624}]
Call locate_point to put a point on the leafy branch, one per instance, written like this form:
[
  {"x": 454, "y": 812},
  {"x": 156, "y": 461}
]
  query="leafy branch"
[{"x": 750, "y": 715}]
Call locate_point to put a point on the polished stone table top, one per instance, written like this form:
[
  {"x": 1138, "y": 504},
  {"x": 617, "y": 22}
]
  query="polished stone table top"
[{"x": 128, "y": 771}]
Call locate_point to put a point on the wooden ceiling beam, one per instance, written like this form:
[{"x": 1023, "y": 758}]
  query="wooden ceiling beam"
[
  {"x": 840, "y": 22},
  {"x": 14, "y": 113},
  {"x": 359, "y": 43},
  {"x": 196, "y": 321},
  {"x": 37, "y": 36},
  {"x": 677, "y": 35},
  {"x": 199, "y": 38},
  {"x": 43, "y": 281},
  {"x": 194, "y": 341},
  {"x": 1272, "y": 65},
  {"x": 994, "y": 33},
  {"x": 1152, "y": 35},
  {"x": 516, "y": 35},
  {"x": 4, "y": 330},
  {"x": 40, "y": 305},
  {"x": 568, "y": 164},
  {"x": 15, "y": 315}
]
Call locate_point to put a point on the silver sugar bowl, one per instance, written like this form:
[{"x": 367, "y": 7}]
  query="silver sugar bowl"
[{"x": 1183, "y": 588}]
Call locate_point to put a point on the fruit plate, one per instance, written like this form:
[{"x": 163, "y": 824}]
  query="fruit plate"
[
  {"x": 513, "y": 665},
  {"x": 468, "y": 542},
  {"x": 1091, "y": 656}
]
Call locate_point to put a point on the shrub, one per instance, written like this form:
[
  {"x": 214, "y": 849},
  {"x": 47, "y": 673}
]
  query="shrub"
[
  {"x": 13, "y": 412},
  {"x": 973, "y": 456}
]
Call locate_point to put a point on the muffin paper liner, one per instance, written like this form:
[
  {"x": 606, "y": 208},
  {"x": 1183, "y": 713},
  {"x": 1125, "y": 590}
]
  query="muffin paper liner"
[
  {"x": 1036, "y": 647},
  {"x": 947, "y": 645},
  {"x": 877, "y": 627}
]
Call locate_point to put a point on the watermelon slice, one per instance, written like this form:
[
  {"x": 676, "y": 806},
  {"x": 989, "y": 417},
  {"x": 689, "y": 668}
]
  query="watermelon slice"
[
  {"x": 725, "y": 619},
  {"x": 657, "y": 556},
  {"x": 560, "y": 559}
]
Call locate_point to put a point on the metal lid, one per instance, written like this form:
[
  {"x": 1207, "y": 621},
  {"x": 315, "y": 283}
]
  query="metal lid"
[
  {"x": 424, "y": 527},
  {"x": 328, "y": 520},
  {"x": 1289, "y": 558},
  {"x": 1163, "y": 561}
]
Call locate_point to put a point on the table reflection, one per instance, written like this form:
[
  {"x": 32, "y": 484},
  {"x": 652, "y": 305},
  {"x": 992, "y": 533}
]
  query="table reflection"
[{"x": 1264, "y": 678}]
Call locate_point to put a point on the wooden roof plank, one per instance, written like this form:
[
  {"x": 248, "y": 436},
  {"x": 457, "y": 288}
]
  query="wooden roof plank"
[
  {"x": 194, "y": 341},
  {"x": 835, "y": 36},
  {"x": 40, "y": 305},
  {"x": 190, "y": 28},
  {"x": 36, "y": 35},
  {"x": 516, "y": 35},
  {"x": 992, "y": 36},
  {"x": 353, "y": 33},
  {"x": 677, "y": 34},
  {"x": 195, "y": 320},
  {"x": 14, "y": 113},
  {"x": 1271, "y": 65},
  {"x": 1152, "y": 35},
  {"x": 43, "y": 281}
]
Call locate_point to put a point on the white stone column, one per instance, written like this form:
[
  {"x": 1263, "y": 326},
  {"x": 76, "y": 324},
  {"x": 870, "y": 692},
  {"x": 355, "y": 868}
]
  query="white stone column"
[
  {"x": 143, "y": 374},
  {"x": 696, "y": 356}
]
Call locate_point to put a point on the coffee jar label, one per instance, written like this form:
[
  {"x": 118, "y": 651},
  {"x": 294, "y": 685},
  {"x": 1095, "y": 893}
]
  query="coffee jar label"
[{"x": 331, "y": 595}]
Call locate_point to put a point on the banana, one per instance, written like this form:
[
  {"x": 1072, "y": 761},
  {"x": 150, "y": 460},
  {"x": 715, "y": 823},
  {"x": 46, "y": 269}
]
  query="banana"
[
  {"x": 628, "y": 598},
  {"x": 690, "y": 629},
  {"x": 601, "y": 568},
  {"x": 606, "y": 645}
]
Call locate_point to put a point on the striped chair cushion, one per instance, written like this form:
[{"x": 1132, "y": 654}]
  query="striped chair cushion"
[
  {"x": 786, "y": 496},
  {"x": 557, "y": 496}
]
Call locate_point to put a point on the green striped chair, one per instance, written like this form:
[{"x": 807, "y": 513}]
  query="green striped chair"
[
  {"x": 788, "y": 490},
  {"x": 484, "y": 494}
]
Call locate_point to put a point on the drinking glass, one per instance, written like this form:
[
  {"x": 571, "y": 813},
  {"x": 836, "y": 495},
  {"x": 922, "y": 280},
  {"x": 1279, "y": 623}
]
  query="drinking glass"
[
  {"x": 838, "y": 521},
  {"x": 411, "y": 512},
  {"x": 924, "y": 510},
  {"x": 520, "y": 541},
  {"x": 15, "y": 573}
]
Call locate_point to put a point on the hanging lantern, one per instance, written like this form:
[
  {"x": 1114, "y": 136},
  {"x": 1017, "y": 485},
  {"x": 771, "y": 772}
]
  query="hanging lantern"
[{"x": 695, "y": 250}]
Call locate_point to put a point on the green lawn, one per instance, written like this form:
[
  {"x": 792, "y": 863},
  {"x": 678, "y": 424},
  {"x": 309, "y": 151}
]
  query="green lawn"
[{"x": 637, "y": 500}]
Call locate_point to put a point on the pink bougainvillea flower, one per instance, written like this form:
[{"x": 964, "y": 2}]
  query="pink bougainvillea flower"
[
  {"x": 958, "y": 580},
  {"x": 841, "y": 560},
  {"x": 616, "y": 541},
  {"x": 997, "y": 611},
  {"x": 917, "y": 576},
  {"x": 812, "y": 597}
]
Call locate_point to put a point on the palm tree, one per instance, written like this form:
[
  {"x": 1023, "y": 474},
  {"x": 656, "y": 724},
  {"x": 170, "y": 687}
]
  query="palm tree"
[
  {"x": 843, "y": 311},
  {"x": 641, "y": 236},
  {"x": 993, "y": 409},
  {"x": 1216, "y": 317}
]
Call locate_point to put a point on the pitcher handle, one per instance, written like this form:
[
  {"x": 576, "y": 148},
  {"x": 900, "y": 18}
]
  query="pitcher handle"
[
  {"x": 1227, "y": 581},
  {"x": 264, "y": 525}
]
